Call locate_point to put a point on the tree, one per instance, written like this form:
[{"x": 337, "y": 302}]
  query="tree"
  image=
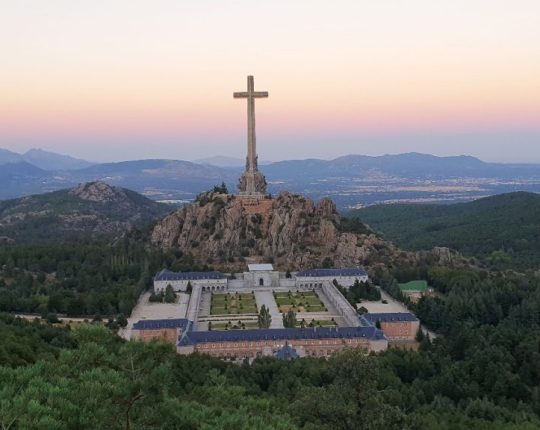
[
  {"x": 265, "y": 319},
  {"x": 419, "y": 334},
  {"x": 52, "y": 318},
  {"x": 222, "y": 189},
  {"x": 327, "y": 263},
  {"x": 189, "y": 287},
  {"x": 122, "y": 320},
  {"x": 289, "y": 319},
  {"x": 170, "y": 295}
]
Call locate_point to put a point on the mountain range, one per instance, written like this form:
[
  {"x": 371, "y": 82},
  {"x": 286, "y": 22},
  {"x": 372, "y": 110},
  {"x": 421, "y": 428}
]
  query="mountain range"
[
  {"x": 352, "y": 181},
  {"x": 45, "y": 160}
]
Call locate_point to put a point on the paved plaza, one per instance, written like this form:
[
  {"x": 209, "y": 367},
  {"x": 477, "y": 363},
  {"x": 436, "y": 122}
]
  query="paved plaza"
[{"x": 146, "y": 310}]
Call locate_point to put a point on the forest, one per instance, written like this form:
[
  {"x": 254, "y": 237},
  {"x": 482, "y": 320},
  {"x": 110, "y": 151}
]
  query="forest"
[
  {"x": 81, "y": 278},
  {"x": 502, "y": 231},
  {"x": 481, "y": 372}
]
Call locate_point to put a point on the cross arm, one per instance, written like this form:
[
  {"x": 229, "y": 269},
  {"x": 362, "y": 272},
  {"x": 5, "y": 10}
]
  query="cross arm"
[{"x": 246, "y": 94}]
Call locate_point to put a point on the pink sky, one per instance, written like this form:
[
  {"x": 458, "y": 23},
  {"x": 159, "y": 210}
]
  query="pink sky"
[{"x": 132, "y": 79}]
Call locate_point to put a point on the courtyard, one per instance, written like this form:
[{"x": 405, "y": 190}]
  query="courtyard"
[
  {"x": 299, "y": 301},
  {"x": 233, "y": 304}
]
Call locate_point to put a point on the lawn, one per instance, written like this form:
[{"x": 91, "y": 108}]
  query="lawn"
[
  {"x": 306, "y": 301},
  {"x": 414, "y": 286},
  {"x": 233, "y": 304},
  {"x": 233, "y": 325},
  {"x": 316, "y": 323}
]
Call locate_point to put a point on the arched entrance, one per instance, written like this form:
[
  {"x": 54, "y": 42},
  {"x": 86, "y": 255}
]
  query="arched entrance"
[{"x": 261, "y": 282}]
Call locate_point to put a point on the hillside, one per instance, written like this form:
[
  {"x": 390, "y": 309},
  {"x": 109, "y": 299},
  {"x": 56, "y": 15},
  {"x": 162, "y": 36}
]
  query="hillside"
[
  {"x": 291, "y": 231},
  {"x": 503, "y": 230},
  {"x": 89, "y": 210}
]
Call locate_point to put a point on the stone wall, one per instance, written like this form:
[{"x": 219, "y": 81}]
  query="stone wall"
[
  {"x": 402, "y": 330},
  {"x": 165, "y": 334}
]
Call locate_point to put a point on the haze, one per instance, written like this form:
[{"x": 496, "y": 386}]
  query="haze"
[{"x": 134, "y": 79}]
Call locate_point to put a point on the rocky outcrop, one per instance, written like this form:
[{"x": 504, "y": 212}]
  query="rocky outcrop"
[
  {"x": 98, "y": 192},
  {"x": 291, "y": 231}
]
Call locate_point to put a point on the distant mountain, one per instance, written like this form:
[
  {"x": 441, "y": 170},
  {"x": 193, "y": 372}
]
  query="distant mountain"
[
  {"x": 411, "y": 165},
  {"x": 89, "y": 210},
  {"x": 351, "y": 181},
  {"x": 503, "y": 230},
  {"x": 52, "y": 161},
  {"x": 9, "y": 157},
  {"x": 157, "y": 179},
  {"x": 357, "y": 180},
  {"x": 49, "y": 161},
  {"x": 161, "y": 179},
  {"x": 21, "y": 178},
  {"x": 222, "y": 161}
]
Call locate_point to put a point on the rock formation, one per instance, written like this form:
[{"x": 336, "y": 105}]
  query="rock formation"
[{"x": 290, "y": 231}]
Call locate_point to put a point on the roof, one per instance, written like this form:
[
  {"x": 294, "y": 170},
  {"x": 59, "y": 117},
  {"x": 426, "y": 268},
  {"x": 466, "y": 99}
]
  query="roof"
[
  {"x": 414, "y": 286},
  {"x": 286, "y": 352},
  {"x": 159, "y": 324},
  {"x": 390, "y": 317},
  {"x": 260, "y": 267},
  {"x": 167, "y": 275},
  {"x": 323, "y": 273},
  {"x": 284, "y": 334}
]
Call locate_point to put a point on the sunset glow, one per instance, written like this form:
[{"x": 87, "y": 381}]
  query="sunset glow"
[{"x": 155, "y": 79}]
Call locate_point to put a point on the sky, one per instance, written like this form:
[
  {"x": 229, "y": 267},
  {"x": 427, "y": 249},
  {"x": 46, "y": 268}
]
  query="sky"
[{"x": 111, "y": 80}]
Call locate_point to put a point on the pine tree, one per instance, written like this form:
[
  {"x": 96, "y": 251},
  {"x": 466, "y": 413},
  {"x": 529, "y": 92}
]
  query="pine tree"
[{"x": 265, "y": 319}]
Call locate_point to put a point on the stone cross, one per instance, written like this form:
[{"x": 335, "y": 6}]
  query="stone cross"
[{"x": 251, "y": 95}]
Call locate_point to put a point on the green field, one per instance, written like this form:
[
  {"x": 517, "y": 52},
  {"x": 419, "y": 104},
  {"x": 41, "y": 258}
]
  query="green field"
[
  {"x": 414, "y": 286},
  {"x": 233, "y": 304},
  {"x": 307, "y": 301},
  {"x": 233, "y": 325},
  {"x": 315, "y": 323}
]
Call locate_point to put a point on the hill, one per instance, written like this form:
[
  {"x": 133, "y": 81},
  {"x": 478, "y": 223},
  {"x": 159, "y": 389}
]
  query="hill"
[
  {"x": 89, "y": 210},
  {"x": 290, "y": 231},
  {"x": 503, "y": 230},
  {"x": 7, "y": 156}
]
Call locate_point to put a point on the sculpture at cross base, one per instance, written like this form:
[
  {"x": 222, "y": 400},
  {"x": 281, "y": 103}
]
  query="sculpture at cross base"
[{"x": 252, "y": 181}]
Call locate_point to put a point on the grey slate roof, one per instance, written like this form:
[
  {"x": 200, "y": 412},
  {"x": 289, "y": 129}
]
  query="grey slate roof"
[
  {"x": 195, "y": 337},
  {"x": 167, "y": 275},
  {"x": 347, "y": 271},
  {"x": 159, "y": 324},
  {"x": 390, "y": 317},
  {"x": 286, "y": 352}
]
